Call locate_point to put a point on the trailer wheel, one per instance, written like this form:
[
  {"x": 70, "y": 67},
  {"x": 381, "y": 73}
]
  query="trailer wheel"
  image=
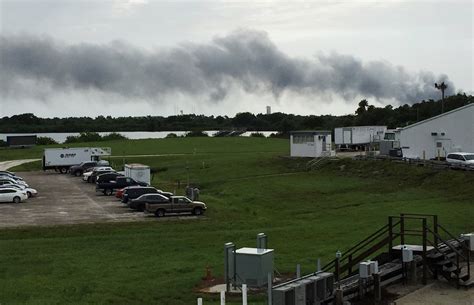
[
  {"x": 160, "y": 213},
  {"x": 63, "y": 170}
]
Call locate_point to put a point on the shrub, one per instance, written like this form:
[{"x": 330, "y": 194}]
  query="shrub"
[
  {"x": 3, "y": 143},
  {"x": 45, "y": 141},
  {"x": 171, "y": 135},
  {"x": 113, "y": 136},
  {"x": 257, "y": 135},
  {"x": 196, "y": 133}
]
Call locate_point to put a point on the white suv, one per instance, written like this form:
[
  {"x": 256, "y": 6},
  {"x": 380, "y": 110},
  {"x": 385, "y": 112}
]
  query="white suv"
[
  {"x": 461, "y": 158},
  {"x": 9, "y": 194}
]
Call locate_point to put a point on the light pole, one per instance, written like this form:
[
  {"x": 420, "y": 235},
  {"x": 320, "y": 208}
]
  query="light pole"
[{"x": 441, "y": 87}]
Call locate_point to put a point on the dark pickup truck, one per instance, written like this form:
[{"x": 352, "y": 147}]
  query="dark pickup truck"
[{"x": 108, "y": 188}]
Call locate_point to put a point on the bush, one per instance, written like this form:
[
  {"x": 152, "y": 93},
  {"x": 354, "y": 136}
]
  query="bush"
[
  {"x": 113, "y": 137},
  {"x": 3, "y": 143},
  {"x": 45, "y": 141},
  {"x": 171, "y": 135},
  {"x": 257, "y": 135},
  {"x": 196, "y": 133},
  {"x": 93, "y": 137}
]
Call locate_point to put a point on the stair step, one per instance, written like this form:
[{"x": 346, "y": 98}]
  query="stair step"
[
  {"x": 435, "y": 255},
  {"x": 450, "y": 269},
  {"x": 444, "y": 262},
  {"x": 467, "y": 284}
]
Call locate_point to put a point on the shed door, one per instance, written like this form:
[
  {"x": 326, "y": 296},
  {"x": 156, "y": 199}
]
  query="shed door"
[{"x": 347, "y": 138}]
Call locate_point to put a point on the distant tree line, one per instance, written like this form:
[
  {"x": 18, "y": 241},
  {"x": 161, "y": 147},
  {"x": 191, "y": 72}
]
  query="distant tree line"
[{"x": 365, "y": 114}]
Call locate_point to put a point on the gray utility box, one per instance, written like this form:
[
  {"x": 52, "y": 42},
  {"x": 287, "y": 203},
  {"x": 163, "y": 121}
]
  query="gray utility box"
[{"x": 253, "y": 266}]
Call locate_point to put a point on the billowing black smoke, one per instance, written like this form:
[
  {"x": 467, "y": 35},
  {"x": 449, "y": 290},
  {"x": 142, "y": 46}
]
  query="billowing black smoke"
[{"x": 245, "y": 59}]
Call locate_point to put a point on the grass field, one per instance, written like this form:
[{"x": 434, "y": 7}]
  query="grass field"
[{"x": 249, "y": 189}]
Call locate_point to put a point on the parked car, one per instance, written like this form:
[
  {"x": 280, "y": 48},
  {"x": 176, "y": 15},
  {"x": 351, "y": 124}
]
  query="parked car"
[
  {"x": 29, "y": 191},
  {"x": 95, "y": 170},
  {"x": 141, "y": 202},
  {"x": 78, "y": 170},
  {"x": 461, "y": 158},
  {"x": 176, "y": 204},
  {"x": 11, "y": 176},
  {"x": 10, "y": 194},
  {"x": 96, "y": 173},
  {"x": 107, "y": 177},
  {"x": 134, "y": 192},
  {"x": 119, "y": 193},
  {"x": 7, "y": 172},
  {"x": 108, "y": 188},
  {"x": 8, "y": 180}
]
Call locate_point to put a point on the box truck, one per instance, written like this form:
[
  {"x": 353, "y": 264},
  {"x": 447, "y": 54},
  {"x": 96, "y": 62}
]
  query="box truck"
[
  {"x": 61, "y": 159},
  {"x": 139, "y": 172},
  {"x": 358, "y": 136}
]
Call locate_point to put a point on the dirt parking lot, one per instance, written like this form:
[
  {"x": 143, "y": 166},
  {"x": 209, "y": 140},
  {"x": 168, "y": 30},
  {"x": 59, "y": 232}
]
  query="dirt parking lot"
[{"x": 64, "y": 199}]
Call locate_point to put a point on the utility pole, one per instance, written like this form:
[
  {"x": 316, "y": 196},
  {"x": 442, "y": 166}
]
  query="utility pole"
[{"x": 441, "y": 87}]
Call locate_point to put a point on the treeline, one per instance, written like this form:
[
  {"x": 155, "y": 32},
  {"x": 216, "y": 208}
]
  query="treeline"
[{"x": 365, "y": 114}]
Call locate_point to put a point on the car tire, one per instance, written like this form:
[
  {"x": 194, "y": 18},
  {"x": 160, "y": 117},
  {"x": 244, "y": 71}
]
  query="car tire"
[
  {"x": 16, "y": 199},
  {"x": 29, "y": 194},
  {"x": 88, "y": 179},
  {"x": 197, "y": 211},
  {"x": 78, "y": 173},
  {"x": 108, "y": 192},
  {"x": 63, "y": 170},
  {"x": 160, "y": 213}
]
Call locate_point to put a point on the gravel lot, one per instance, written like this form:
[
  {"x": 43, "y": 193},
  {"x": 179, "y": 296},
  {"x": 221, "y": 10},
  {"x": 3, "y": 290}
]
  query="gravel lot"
[{"x": 64, "y": 199}]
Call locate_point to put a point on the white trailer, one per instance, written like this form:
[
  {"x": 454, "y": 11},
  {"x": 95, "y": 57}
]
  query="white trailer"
[
  {"x": 311, "y": 143},
  {"x": 138, "y": 172},
  {"x": 61, "y": 159},
  {"x": 350, "y": 137}
]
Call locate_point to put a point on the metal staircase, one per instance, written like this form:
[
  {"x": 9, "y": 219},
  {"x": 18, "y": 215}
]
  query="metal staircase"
[{"x": 447, "y": 257}]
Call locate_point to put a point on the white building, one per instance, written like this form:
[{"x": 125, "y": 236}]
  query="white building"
[
  {"x": 313, "y": 143},
  {"x": 358, "y": 135},
  {"x": 439, "y": 135}
]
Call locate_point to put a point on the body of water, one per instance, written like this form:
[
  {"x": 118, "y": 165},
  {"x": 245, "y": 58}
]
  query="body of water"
[{"x": 60, "y": 137}]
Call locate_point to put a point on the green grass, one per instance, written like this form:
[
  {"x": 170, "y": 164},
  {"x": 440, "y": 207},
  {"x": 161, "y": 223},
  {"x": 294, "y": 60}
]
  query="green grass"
[{"x": 249, "y": 189}]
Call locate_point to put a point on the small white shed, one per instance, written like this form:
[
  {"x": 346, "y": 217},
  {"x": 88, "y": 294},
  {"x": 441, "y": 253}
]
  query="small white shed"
[
  {"x": 139, "y": 172},
  {"x": 439, "y": 135},
  {"x": 313, "y": 143}
]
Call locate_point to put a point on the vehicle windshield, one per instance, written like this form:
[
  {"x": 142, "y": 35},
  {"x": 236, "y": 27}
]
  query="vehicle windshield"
[{"x": 469, "y": 157}]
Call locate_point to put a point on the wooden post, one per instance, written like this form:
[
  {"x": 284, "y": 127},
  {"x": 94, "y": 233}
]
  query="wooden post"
[
  {"x": 222, "y": 297},
  {"x": 336, "y": 275},
  {"x": 244, "y": 294},
  {"x": 269, "y": 287},
  {"x": 435, "y": 240},
  {"x": 377, "y": 287},
  {"x": 425, "y": 262},
  {"x": 350, "y": 265},
  {"x": 412, "y": 272},
  {"x": 339, "y": 297}
]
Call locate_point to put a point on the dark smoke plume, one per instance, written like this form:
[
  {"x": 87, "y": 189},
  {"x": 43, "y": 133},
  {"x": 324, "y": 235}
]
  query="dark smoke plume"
[{"x": 246, "y": 59}]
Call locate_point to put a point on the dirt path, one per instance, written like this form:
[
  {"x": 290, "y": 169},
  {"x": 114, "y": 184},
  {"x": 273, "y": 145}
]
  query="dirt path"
[{"x": 5, "y": 165}]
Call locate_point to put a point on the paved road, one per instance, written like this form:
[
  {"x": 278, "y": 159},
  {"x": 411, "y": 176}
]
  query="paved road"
[{"x": 5, "y": 165}]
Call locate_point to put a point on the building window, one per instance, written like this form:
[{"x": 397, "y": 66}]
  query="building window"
[{"x": 301, "y": 139}]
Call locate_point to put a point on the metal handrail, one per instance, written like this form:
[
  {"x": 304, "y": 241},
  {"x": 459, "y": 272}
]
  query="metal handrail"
[
  {"x": 446, "y": 243},
  {"x": 455, "y": 238},
  {"x": 360, "y": 245}
]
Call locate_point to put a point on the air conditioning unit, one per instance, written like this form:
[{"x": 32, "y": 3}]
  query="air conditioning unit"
[
  {"x": 324, "y": 286},
  {"x": 284, "y": 295},
  {"x": 469, "y": 238}
]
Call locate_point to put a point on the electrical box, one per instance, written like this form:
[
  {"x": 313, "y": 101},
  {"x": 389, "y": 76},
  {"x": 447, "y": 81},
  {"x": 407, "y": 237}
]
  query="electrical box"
[
  {"x": 407, "y": 254},
  {"x": 364, "y": 270},
  {"x": 138, "y": 172},
  {"x": 324, "y": 286},
  {"x": 374, "y": 267},
  {"x": 470, "y": 240},
  {"x": 253, "y": 266}
]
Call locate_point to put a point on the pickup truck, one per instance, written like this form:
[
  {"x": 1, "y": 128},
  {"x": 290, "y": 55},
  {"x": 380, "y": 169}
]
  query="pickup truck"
[
  {"x": 176, "y": 204},
  {"x": 108, "y": 188}
]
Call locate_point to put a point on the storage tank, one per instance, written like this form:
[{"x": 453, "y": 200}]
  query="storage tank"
[{"x": 138, "y": 172}]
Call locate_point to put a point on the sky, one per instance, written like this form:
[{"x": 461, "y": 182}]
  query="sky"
[{"x": 149, "y": 57}]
